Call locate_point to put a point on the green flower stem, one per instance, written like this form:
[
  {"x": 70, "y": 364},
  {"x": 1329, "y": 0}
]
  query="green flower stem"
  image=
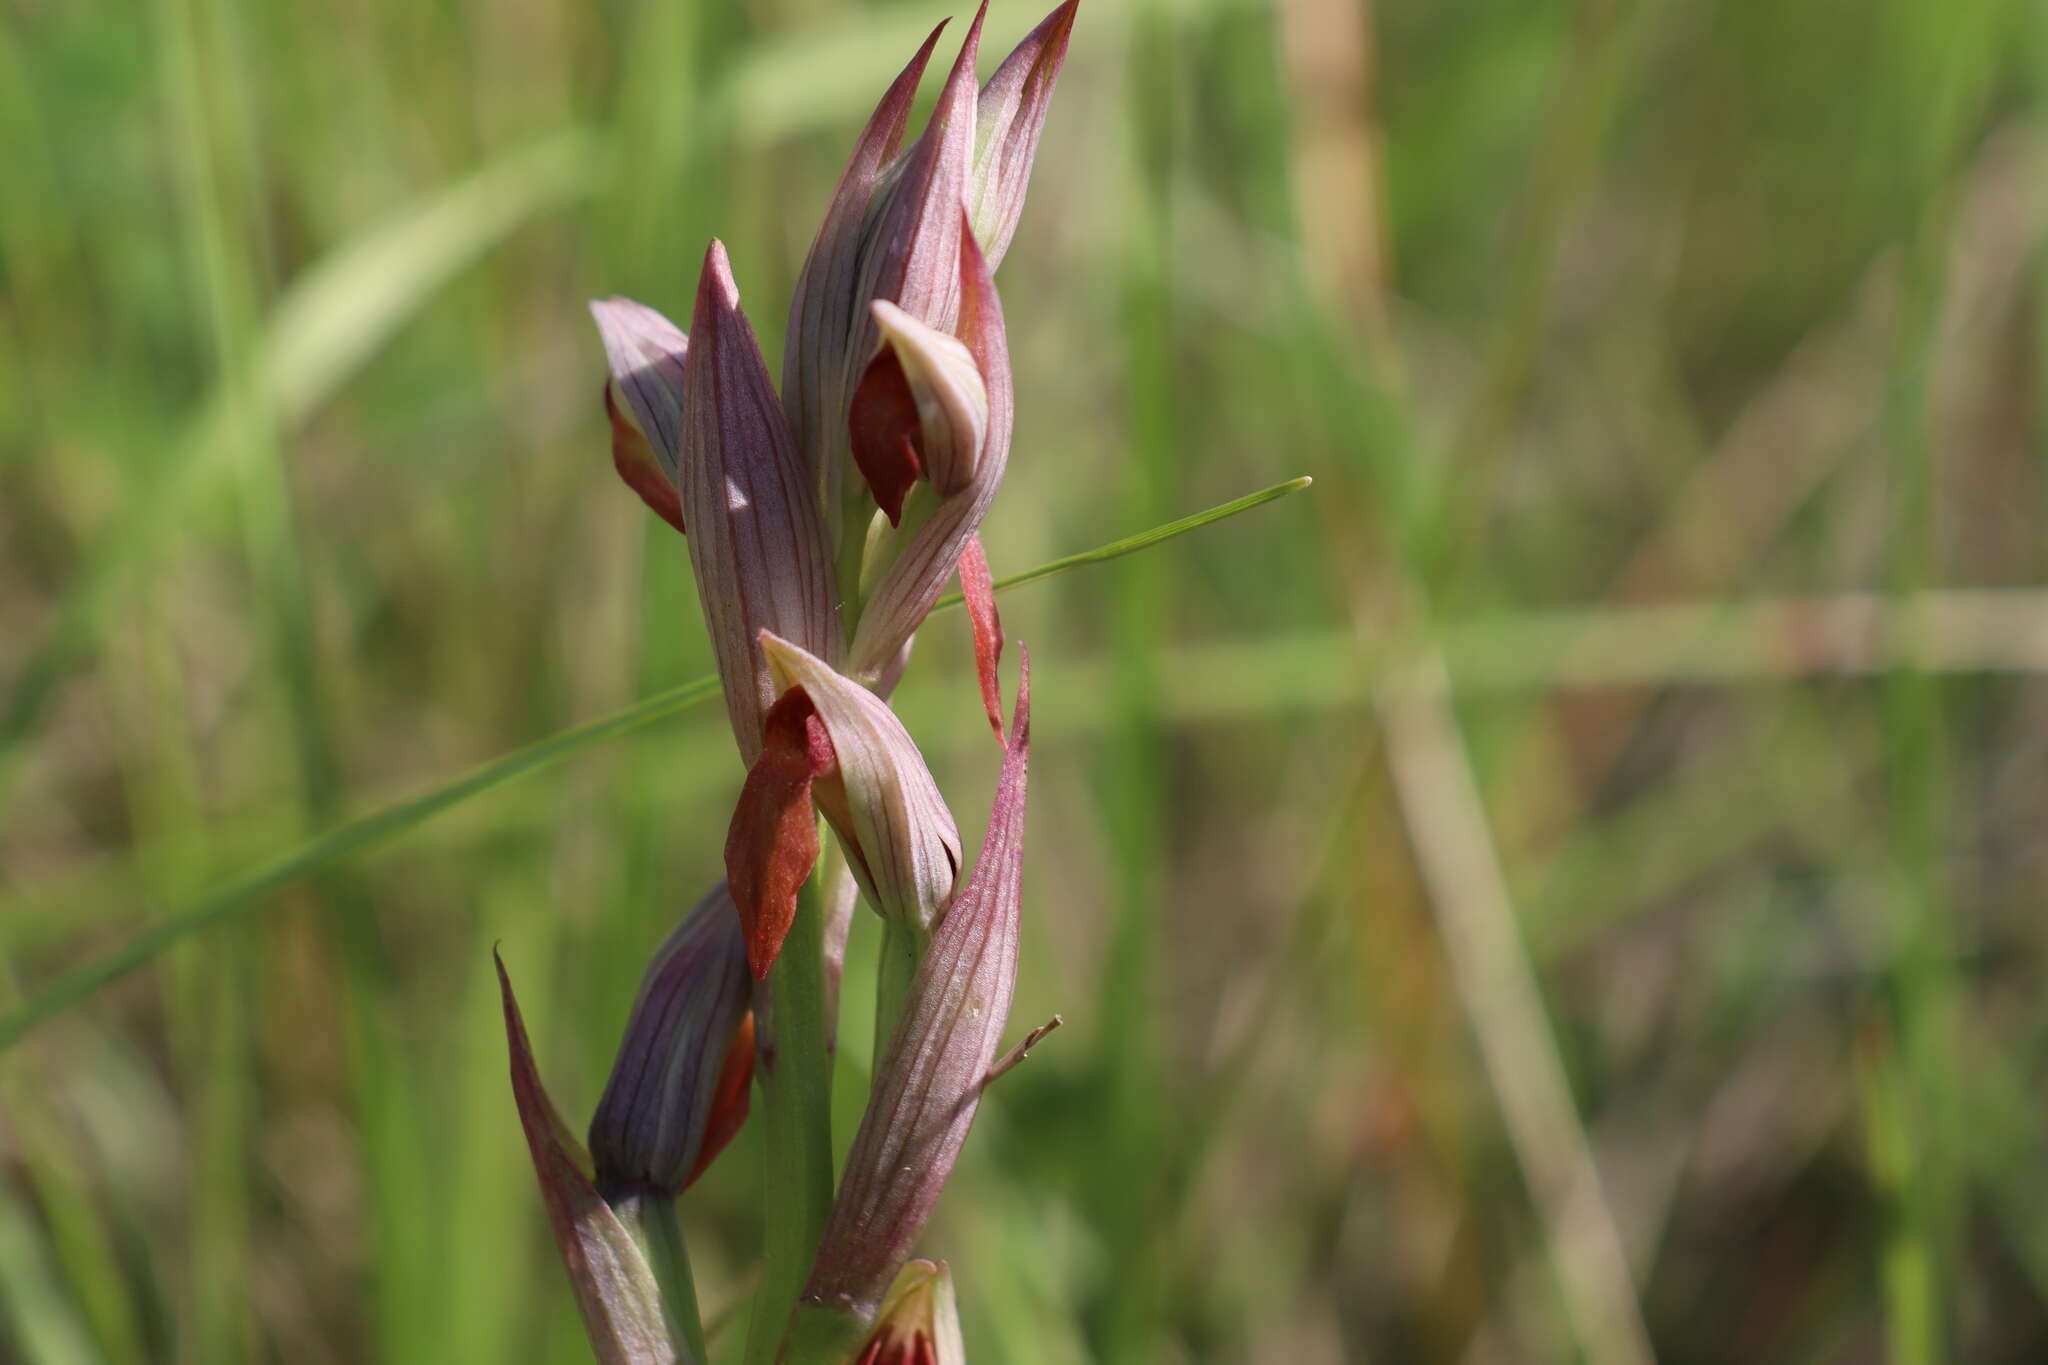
[
  {"x": 796, "y": 1103},
  {"x": 820, "y": 1336},
  {"x": 650, "y": 1215},
  {"x": 902, "y": 950}
]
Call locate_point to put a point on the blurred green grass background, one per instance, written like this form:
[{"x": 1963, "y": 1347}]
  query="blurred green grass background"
[{"x": 1568, "y": 887}]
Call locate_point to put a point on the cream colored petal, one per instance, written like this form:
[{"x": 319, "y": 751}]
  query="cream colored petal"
[{"x": 900, "y": 838}]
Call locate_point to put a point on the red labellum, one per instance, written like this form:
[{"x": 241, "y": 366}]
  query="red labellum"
[
  {"x": 638, "y": 468},
  {"x": 886, "y": 434},
  {"x": 621, "y": 1305},
  {"x": 773, "y": 843}
]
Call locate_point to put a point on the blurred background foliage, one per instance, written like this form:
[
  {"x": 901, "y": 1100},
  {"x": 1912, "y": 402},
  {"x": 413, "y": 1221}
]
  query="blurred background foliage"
[{"x": 1569, "y": 887}]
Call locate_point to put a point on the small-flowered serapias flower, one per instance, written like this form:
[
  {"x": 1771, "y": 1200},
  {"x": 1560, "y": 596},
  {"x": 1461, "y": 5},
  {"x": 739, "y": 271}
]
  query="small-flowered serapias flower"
[
  {"x": 908, "y": 563},
  {"x": 929, "y": 1081},
  {"x": 920, "y": 1320},
  {"x": 833, "y": 743},
  {"x": 678, "y": 1091}
]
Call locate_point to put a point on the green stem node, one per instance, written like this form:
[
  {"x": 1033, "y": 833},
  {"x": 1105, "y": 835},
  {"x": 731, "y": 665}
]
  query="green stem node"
[{"x": 902, "y": 949}]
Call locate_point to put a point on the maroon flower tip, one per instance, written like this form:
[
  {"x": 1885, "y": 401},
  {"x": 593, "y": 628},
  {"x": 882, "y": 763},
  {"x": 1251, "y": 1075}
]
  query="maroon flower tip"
[{"x": 887, "y": 437}]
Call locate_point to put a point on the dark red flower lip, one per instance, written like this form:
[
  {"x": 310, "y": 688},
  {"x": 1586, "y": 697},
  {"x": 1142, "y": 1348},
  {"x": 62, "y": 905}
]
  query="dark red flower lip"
[{"x": 772, "y": 844}]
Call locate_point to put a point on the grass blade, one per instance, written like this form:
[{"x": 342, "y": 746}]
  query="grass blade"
[
  {"x": 1144, "y": 540},
  {"x": 336, "y": 844},
  {"x": 351, "y": 838}
]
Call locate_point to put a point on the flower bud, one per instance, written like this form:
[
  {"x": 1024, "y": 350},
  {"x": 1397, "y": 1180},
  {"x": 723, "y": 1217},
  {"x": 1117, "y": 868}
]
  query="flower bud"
[
  {"x": 756, "y": 541},
  {"x": 920, "y": 1321},
  {"x": 644, "y": 399},
  {"x": 928, "y": 1083},
  {"x": 678, "y": 1091}
]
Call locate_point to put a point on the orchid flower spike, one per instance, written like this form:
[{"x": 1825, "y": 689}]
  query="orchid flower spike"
[
  {"x": 756, "y": 543},
  {"x": 678, "y": 1091}
]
